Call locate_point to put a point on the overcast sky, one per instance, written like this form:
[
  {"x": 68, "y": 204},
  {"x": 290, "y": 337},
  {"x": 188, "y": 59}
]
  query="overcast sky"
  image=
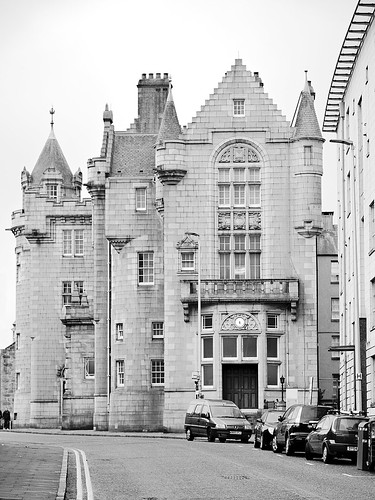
[{"x": 78, "y": 55}]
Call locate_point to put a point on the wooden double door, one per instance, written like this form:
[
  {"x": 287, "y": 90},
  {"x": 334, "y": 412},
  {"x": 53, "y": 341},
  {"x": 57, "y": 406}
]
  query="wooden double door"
[{"x": 240, "y": 385}]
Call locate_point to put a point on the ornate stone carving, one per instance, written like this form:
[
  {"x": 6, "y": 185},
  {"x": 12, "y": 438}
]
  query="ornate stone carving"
[
  {"x": 252, "y": 157},
  {"x": 226, "y": 156},
  {"x": 239, "y": 155},
  {"x": 240, "y": 321},
  {"x": 239, "y": 220},
  {"x": 224, "y": 222},
  {"x": 254, "y": 221}
]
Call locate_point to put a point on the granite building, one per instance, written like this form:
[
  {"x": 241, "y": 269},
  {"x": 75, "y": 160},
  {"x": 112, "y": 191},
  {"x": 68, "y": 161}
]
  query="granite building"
[{"x": 191, "y": 271}]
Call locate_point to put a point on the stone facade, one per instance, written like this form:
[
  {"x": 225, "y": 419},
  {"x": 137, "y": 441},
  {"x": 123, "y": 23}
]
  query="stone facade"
[
  {"x": 350, "y": 115},
  {"x": 200, "y": 277},
  {"x": 7, "y": 378}
]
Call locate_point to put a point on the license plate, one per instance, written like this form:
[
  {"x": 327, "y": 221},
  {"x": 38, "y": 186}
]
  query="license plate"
[
  {"x": 236, "y": 433},
  {"x": 352, "y": 448}
]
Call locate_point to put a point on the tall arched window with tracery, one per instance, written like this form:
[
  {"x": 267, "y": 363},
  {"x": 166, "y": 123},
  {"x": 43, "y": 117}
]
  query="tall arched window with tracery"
[{"x": 239, "y": 212}]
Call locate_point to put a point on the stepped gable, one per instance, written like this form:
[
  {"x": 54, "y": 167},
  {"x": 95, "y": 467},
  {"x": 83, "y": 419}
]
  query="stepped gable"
[
  {"x": 133, "y": 154},
  {"x": 306, "y": 124},
  {"x": 170, "y": 126},
  {"x": 52, "y": 158},
  {"x": 260, "y": 111}
]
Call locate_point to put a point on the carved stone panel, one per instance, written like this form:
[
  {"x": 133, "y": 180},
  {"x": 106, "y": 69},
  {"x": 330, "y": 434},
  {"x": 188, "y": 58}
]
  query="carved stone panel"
[
  {"x": 224, "y": 221},
  {"x": 239, "y": 220},
  {"x": 254, "y": 220},
  {"x": 240, "y": 321}
]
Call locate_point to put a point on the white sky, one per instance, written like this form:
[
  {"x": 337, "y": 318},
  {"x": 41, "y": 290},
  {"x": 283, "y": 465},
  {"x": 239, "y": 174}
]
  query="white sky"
[{"x": 78, "y": 55}]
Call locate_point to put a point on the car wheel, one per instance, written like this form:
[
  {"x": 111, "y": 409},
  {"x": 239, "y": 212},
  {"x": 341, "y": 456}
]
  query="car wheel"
[
  {"x": 308, "y": 454},
  {"x": 288, "y": 447},
  {"x": 326, "y": 457},
  {"x": 189, "y": 435},
  {"x": 245, "y": 439},
  {"x": 354, "y": 460},
  {"x": 262, "y": 443},
  {"x": 222, "y": 440},
  {"x": 276, "y": 448},
  {"x": 210, "y": 435}
]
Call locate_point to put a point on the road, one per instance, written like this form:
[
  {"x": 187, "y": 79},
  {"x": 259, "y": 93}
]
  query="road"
[{"x": 147, "y": 468}]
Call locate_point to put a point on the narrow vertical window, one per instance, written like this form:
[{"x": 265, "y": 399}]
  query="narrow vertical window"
[
  {"x": 140, "y": 199},
  {"x": 120, "y": 373},
  {"x": 157, "y": 372},
  {"x": 52, "y": 190},
  {"x": 307, "y": 155},
  {"x": 335, "y": 341},
  {"x": 67, "y": 242},
  {"x": 67, "y": 292},
  {"x": 207, "y": 375},
  {"x": 18, "y": 380},
  {"x": 146, "y": 268},
  {"x": 334, "y": 271},
  {"x": 187, "y": 261},
  {"x": 335, "y": 309},
  {"x": 78, "y": 242},
  {"x": 272, "y": 347},
  {"x": 119, "y": 331},
  {"x": 207, "y": 348},
  {"x": 272, "y": 374},
  {"x": 89, "y": 368},
  {"x": 157, "y": 330},
  {"x": 207, "y": 322}
]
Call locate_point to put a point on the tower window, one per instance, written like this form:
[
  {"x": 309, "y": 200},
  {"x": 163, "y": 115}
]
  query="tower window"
[
  {"x": 307, "y": 155},
  {"x": 146, "y": 268},
  {"x": 140, "y": 199},
  {"x": 52, "y": 190},
  {"x": 157, "y": 372}
]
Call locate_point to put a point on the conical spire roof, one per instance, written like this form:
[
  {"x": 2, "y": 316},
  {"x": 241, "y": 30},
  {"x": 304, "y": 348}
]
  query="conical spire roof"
[
  {"x": 306, "y": 124},
  {"x": 170, "y": 126},
  {"x": 52, "y": 158}
]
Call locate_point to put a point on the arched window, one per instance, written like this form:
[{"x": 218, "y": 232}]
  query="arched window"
[{"x": 239, "y": 212}]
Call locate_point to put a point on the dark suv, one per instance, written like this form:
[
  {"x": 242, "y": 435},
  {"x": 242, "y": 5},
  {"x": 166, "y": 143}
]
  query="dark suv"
[{"x": 294, "y": 426}]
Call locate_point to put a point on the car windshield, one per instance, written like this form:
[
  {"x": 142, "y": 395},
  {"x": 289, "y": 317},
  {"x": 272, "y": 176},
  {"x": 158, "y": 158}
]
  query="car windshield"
[
  {"x": 348, "y": 424},
  {"x": 273, "y": 418},
  {"x": 313, "y": 413},
  {"x": 226, "y": 411}
]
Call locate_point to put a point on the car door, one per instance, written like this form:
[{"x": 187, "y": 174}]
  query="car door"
[
  {"x": 195, "y": 426},
  {"x": 281, "y": 428},
  {"x": 291, "y": 418},
  {"x": 204, "y": 420},
  {"x": 321, "y": 433},
  {"x": 314, "y": 437}
]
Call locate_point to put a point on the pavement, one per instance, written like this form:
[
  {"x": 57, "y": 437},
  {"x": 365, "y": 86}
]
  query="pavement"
[{"x": 39, "y": 472}]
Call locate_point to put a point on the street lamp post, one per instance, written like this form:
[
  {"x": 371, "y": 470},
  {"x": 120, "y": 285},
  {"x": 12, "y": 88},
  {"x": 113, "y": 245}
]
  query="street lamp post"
[
  {"x": 198, "y": 382},
  {"x": 282, "y": 382}
]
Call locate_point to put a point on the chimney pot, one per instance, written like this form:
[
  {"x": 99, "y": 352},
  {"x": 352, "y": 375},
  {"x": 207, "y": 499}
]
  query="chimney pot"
[
  {"x": 157, "y": 75},
  {"x": 165, "y": 75},
  {"x": 143, "y": 75},
  {"x": 151, "y": 76}
]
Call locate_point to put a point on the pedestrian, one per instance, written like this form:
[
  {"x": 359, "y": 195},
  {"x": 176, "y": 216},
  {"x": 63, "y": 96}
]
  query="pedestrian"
[{"x": 6, "y": 418}]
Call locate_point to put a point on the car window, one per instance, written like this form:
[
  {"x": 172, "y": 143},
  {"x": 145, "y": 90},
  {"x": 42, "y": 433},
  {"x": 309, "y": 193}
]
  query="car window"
[
  {"x": 325, "y": 423},
  {"x": 191, "y": 408},
  {"x": 293, "y": 417},
  {"x": 226, "y": 411},
  {"x": 198, "y": 409},
  {"x": 272, "y": 417},
  {"x": 288, "y": 412},
  {"x": 205, "y": 410},
  {"x": 348, "y": 424},
  {"x": 313, "y": 412}
]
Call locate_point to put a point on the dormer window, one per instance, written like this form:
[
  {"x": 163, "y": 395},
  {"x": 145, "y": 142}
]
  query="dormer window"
[
  {"x": 52, "y": 191},
  {"x": 239, "y": 107}
]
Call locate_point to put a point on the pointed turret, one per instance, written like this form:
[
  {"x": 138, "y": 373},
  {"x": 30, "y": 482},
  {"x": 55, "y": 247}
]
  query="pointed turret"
[
  {"x": 170, "y": 126},
  {"x": 306, "y": 124},
  {"x": 52, "y": 159}
]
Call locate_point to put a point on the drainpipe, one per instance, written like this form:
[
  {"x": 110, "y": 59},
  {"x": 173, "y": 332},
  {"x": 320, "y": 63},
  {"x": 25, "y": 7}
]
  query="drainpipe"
[{"x": 109, "y": 310}]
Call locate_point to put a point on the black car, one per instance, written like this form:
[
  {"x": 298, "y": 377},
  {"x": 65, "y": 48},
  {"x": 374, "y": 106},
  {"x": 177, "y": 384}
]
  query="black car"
[
  {"x": 335, "y": 436},
  {"x": 263, "y": 431},
  {"x": 294, "y": 426}
]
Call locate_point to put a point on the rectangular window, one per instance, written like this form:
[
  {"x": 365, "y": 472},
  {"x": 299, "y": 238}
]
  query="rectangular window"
[
  {"x": 254, "y": 174},
  {"x": 239, "y": 242},
  {"x": 119, "y": 331},
  {"x": 18, "y": 381},
  {"x": 18, "y": 267},
  {"x": 207, "y": 375},
  {"x": 207, "y": 322},
  {"x": 225, "y": 266},
  {"x": 224, "y": 174},
  {"x": 157, "y": 330},
  {"x": 254, "y": 242},
  {"x": 335, "y": 309},
  {"x": 335, "y": 341},
  {"x": 18, "y": 340},
  {"x": 239, "y": 195},
  {"x": 272, "y": 321},
  {"x": 157, "y": 372},
  {"x": 272, "y": 347},
  {"x": 238, "y": 175},
  {"x": 73, "y": 242},
  {"x": 239, "y": 266},
  {"x": 140, "y": 199},
  {"x": 254, "y": 265},
  {"x": 249, "y": 347},
  {"x": 307, "y": 155},
  {"x": 224, "y": 195},
  {"x": 207, "y": 348},
  {"x": 372, "y": 325},
  {"x": 272, "y": 374},
  {"x": 52, "y": 191},
  {"x": 89, "y": 368},
  {"x": 146, "y": 268},
  {"x": 120, "y": 373},
  {"x": 238, "y": 107},
  {"x": 187, "y": 261},
  {"x": 348, "y": 195},
  {"x": 254, "y": 194},
  {"x": 224, "y": 243},
  {"x": 334, "y": 271},
  {"x": 67, "y": 292},
  {"x": 372, "y": 227},
  {"x": 229, "y": 347}
]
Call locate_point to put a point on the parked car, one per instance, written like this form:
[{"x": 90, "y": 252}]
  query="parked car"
[
  {"x": 335, "y": 436},
  {"x": 216, "y": 418},
  {"x": 263, "y": 431},
  {"x": 294, "y": 426}
]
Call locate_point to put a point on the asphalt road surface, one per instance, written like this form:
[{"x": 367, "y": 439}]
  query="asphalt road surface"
[{"x": 147, "y": 468}]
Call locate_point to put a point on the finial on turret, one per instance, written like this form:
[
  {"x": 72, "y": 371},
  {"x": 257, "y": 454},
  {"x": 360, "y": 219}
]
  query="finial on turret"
[{"x": 52, "y": 112}]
